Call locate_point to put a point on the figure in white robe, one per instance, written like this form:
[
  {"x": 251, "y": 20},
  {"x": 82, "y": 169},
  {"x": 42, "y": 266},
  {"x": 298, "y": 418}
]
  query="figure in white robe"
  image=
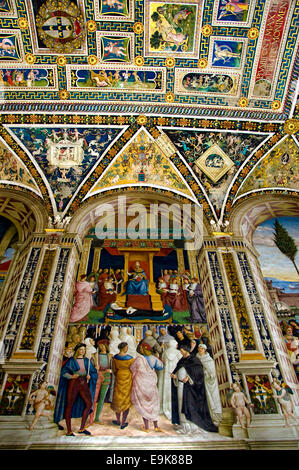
[
  {"x": 83, "y": 300},
  {"x": 170, "y": 358},
  {"x": 114, "y": 342},
  {"x": 211, "y": 384},
  {"x": 144, "y": 394},
  {"x": 113, "y": 350},
  {"x": 125, "y": 337}
]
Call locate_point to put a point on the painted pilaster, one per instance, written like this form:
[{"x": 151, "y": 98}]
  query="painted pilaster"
[
  {"x": 241, "y": 334},
  {"x": 36, "y": 329}
]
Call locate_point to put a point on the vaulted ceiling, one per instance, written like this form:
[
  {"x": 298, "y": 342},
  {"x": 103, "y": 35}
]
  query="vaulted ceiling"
[{"x": 196, "y": 97}]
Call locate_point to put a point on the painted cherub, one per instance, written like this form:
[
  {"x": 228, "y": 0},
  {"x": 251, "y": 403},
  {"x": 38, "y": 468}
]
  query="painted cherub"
[
  {"x": 41, "y": 401},
  {"x": 239, "y": 402},
  {"x": 283, "y": 395}
]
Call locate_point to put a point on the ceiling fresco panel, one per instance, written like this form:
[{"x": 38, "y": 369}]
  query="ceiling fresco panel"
[
  {"x": 8, "y": 9},
  {"x": 233, "y": 13},
  {"x": 65, "y": 155},
  {"x": 279, "y": 169},
  {"x": 215, "y": 157},
  {"x": 142, "y": 163},
  {"x": 51, "y": 27},
  {"x": 14, "y": 172},
  {"x": 172, "y": 28},
  {"x": 200, "y": 58},
  {"x": 11, "y": 48}
]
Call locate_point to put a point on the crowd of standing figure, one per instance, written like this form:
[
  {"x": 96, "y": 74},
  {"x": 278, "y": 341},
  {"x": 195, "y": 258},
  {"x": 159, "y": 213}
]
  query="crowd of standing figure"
[{"x": 170, "y": 374}]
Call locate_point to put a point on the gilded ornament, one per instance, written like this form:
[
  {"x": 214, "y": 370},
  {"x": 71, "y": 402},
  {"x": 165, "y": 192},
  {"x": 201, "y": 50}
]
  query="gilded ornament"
[
  {"x": 291, "y": 126},
  {"x": 207, "y": 30},
  {"x": 30, "y": 58},
  {"x": 92, "y": 59},
  {"x": 63, "y": 94},
  {"x": 202, "y": 63},
  {"x": 170, "y": 62},
  {"x": 91, "y": 26},
  {"x": 138, "y": 28},
  {"x": 142, "y": 120},
  {"x": 139, "y": 61},
  {"x": 169, "y": 97},
  {"x": 243, "y": 102},
  {"x": 61, "y": 61},
  {"x": 253, "y": 33},
  {"x": 275, "y": 105},
  {"x": 22, "y": 23}
]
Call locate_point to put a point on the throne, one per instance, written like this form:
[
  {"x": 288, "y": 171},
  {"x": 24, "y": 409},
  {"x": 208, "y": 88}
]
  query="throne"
[{"x": 150, "y": 301}]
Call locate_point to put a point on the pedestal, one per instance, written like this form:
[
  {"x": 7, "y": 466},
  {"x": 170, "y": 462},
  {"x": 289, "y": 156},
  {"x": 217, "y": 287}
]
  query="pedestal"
[
  {"x": 14, "y": 431},
  {"x": 271, "y": 427},
  {"x": 228, "y": 419}
]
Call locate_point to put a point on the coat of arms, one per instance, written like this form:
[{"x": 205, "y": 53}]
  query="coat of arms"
[
  {"x": 63, "y": 152},
  {"x": 61, "y": 29}
]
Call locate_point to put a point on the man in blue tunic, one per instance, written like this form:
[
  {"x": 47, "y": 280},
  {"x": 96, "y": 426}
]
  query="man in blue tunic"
[{"x": 76, "y": 390}]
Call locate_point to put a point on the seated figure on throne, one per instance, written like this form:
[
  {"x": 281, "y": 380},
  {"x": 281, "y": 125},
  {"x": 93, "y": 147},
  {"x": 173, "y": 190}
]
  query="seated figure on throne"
[{"x": 137, "y": 283}]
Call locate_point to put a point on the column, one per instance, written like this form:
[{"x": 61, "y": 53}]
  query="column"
[
  {"x": 96, "y": 259},
  {"x": 192, "y": 263},
  {"x": 155, "y": 297},
  {"x": 34, "y": 332},
  {"x": 121, "y": 298},
  {"x": 84, "y": 258},
  {"x": 181, "y": 261},
  {"x": 246, "y": 347}
]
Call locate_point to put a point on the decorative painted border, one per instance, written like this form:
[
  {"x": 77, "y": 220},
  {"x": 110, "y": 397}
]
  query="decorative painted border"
[
  {"x": 115, "y": 34},
  {"x": 221, "y": 38},
  {"x": 95, "y": 104},
  {"x": 100, "y": 17},
  {"x": 237, "y": 24},
  {"x": 195, "y": 53},
  {"x": 34, "y": 36},
  {"x": 191, "y": 122},
  {"x": 180, "y": 89},
  {"x": 71, "y": 69}
]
